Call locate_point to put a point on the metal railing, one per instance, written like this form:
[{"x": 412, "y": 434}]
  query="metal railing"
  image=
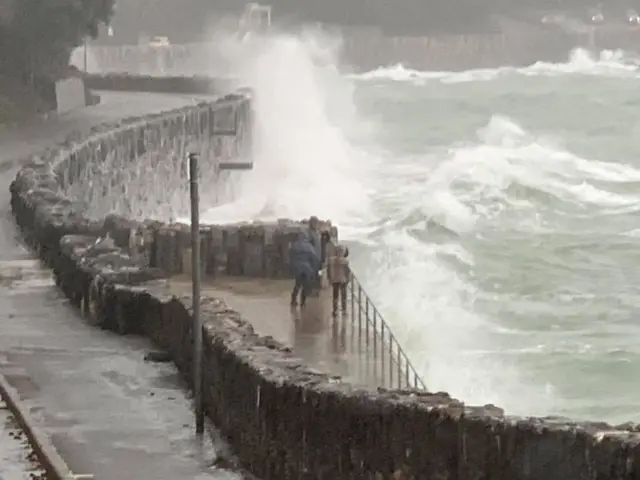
[{"x": 385, "y": 362}]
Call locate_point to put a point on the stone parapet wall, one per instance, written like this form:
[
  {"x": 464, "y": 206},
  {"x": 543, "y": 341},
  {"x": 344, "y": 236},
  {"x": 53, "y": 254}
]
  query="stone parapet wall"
[
  {"x": 283, "y": 419},
  {"x": 252, "y": 250},
  {"x": 167, "y": 60},
  {"x": 369, "y": 50},
  {"x": 190, "y": 85},
  {"x": 139, "y": 168},
  {"x": 515, "y": 46},
  {"x": 257, "y": 250},
  {"x": 457, "y": 52}
]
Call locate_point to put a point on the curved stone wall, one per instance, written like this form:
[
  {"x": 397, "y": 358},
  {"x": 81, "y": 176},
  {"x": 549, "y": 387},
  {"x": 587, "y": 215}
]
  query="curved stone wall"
[
  {"x": 190, "y": 85},
  {"x": 138, "y": 168},
  {"x": 283, "y": 419}
]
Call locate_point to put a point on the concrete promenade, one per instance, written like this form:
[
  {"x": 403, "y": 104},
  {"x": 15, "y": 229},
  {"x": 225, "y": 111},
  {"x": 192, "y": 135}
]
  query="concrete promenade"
[
  {"x": 110, "y": 413},
  {"x": 321, "y": 340}
]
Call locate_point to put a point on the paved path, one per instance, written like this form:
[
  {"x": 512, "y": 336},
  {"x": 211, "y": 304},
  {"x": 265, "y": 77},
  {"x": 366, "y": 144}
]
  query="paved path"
[
  {"x": 326, "y": 343},
  {"x": 109, "y": 413}
]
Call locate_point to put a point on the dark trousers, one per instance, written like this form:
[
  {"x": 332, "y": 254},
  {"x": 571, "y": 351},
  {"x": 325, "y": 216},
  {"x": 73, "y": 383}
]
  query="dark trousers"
[
  {"x": 303, "y": 286},
  {"x": 339, "y": 289}
]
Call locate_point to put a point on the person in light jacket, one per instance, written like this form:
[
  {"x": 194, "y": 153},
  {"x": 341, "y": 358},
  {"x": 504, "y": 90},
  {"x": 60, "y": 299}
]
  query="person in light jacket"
[
  {"x": 338, "y": 270},
  {"x": 305, "y": 263}
]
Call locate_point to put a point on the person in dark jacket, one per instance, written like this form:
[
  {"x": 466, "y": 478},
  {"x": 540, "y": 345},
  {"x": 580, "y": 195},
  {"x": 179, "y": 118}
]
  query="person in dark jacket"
[
  {"x": 305, "y": 264},
  {"x": 319, "y": 239}
]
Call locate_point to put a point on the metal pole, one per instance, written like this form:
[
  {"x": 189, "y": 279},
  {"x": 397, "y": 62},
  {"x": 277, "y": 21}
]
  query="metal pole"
[
  {"x": 85, "y": 55},
  {"x": 195, "y": 276}
]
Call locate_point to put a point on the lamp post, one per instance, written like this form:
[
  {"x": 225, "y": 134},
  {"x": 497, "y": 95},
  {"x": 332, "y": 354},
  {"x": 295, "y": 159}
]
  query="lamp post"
[{"x": 196, "y": 279}]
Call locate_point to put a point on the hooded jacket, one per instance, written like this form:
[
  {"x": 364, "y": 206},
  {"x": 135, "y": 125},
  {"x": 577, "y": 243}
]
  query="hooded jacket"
[
  {"x": 303, "y": 257},
  {"x": 338, "y": 264}
]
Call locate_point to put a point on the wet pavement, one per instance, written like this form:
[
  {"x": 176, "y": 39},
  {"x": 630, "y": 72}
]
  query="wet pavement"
[
  {"x": 17, "y": 459},
  {"x": 108, "y": 412},
  {"x": 325, "y": 342}
]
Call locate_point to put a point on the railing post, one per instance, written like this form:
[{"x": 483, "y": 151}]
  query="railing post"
[
  {"x": 375, "y": 344},
  {"x": 383, "y": 368},
  {"x": 353, "y": 320},
  {"x": 366, "y": 319},
  {"x": 360, "y": 316},
  {"x": 400, "y": 358},
  {"x": 366, "y": 343},
  {"x": 407, "y": 379},
  {"x": 391, "y": 340},
  {"x": 353, "y": 297}
]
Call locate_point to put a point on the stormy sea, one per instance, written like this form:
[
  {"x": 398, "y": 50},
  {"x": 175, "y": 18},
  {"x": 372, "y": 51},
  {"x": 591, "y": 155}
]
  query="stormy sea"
[{"x": 493, "y": 215}]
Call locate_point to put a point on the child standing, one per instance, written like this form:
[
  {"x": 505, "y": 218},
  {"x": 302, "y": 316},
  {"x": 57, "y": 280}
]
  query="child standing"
[{"x": 338, "y": 272}]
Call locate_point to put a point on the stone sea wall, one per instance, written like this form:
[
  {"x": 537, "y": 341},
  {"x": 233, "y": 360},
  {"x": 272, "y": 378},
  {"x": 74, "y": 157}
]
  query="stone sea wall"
[
  {"x": 188, "y": 85},
  {"x": 456, "y": 52},
  {"x": 369, "y": 49},
  {"x": 514, "y": 44},
  {"x": 257, "y": 250},
  {"x": 139, "y": 168},
  {"x": 283, "y": 420}
]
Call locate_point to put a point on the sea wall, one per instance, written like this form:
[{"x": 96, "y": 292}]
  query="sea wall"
[
  {"x": 188, "y": 85},
  {"x": 257, "y": 250},
  {"x": 139, "y": 168},
  {"x": 456, "y": 52},
  {"x": 282, "y": 419},
  {"x": 515, "y": 44},
  {"x": 366, "y": 50}
]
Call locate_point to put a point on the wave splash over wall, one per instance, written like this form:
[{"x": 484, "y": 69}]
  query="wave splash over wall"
[
  {"x": 611, "y": 63},
  {"x": 307, "y": 160}
]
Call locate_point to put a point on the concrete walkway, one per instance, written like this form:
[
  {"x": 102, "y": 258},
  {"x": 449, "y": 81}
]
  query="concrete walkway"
[
  {"x": 108, "y": 412},
  {"x": 326, "y": 343}
]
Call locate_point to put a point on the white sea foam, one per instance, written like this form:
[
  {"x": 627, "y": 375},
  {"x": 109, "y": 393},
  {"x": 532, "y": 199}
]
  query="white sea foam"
[{"x": 611, "y": 63}]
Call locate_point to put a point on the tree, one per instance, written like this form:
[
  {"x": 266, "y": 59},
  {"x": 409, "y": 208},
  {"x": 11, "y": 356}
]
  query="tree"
[{"x": 39, "y": 35}]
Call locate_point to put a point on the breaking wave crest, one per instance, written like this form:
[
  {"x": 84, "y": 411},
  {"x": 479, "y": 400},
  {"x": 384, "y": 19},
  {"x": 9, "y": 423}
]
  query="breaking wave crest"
[{"x": 613, "y": 63}]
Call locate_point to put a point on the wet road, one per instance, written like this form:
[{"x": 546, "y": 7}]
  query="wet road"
[{"x": 108, "y": 412}]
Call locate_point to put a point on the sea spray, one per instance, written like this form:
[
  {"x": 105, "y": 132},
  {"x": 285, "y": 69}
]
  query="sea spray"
[{"x": 305, "y": 163}]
